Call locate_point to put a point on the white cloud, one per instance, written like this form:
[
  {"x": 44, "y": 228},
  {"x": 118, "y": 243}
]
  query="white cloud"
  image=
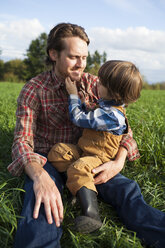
[
  {"x": 16, "y": 35},
  {"x": 144, "y": 47}
]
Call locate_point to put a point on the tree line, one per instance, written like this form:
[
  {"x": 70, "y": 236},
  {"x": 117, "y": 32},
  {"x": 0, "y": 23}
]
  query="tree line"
[{"x": 18, "y": 70}]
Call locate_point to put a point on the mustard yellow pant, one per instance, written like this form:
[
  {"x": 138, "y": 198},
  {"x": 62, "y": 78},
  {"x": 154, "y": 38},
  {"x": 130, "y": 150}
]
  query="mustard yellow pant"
[{"x": 69, "y": 157}]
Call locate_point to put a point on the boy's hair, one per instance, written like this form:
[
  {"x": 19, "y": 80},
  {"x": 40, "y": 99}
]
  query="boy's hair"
[
  {"x": 122, "y": 79},
  {"x": 61, "y": 31}
]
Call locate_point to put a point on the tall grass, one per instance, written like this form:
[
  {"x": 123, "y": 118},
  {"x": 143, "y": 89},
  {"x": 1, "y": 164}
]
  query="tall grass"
[
  {"x": 10, "y": 188},
  {"x": 146, "y": 117}
]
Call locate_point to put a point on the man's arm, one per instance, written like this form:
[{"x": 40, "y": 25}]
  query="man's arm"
[
  {"x": 25, "y": 129},
  {"x": 32, "y": 163},
  {"x": 130, "y": 145}
]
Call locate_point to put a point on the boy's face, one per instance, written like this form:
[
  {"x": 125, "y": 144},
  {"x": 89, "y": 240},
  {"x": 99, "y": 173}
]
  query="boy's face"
[
  {"x": 72, "y": 60},
  {"x": 103, "y": 92}
]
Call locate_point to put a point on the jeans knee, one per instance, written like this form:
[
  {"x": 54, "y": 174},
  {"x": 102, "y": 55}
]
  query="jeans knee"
[{"x": 132, "y": 190}]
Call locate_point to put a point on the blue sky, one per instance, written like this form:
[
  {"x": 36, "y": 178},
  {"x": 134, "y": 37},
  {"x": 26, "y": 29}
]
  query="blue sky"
[{"x": 125, "y": 29}]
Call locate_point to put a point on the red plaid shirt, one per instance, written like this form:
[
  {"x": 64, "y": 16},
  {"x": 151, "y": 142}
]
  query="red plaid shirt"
[{"x": 43, "y": 120}]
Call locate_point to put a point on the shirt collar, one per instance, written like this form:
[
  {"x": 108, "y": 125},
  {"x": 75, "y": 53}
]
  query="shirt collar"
[
  {"x": 106, "y": 104},
  {"x": 56, "y": 81}
]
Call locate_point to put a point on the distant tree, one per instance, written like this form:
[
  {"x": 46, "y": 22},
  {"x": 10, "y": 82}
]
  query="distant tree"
[
  {"x": 14, "y": 70},
  {"x": 94, "y": 62},
  {"x": 94, "y": 69},
  {"x": 162, "y": 86},
  {"x": 1, "y": 70},
  {"x": 156, "y": 86},
  {"x": 36, "y": 54},
  {"x": 146, "y": 86}
]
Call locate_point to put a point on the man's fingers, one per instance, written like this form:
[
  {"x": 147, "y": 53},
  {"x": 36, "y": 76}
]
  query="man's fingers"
[
  {"x": 48, "y": 212},
  {"x": 55, "y": 213},
  {"x": 98, "y": 169},
  {"x": 37, "y": 208},
  {"x": 98, "y": 179},
  {"x": 57, "y": 210},
  {"x": 60, "y": 208},
  {"x": 101, "y": 178}
]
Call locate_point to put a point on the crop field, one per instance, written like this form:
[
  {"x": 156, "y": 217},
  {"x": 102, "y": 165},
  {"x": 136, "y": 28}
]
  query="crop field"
[{"x": 147, "y": 120}]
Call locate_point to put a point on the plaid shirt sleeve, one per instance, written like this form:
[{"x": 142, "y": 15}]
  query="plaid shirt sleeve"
[{"x": 23, "y": 145}]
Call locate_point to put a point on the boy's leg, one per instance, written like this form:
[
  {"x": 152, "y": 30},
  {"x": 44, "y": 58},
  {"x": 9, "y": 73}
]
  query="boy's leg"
[
  {"x": 35, "y": 233},
  {"x": 81, "y": 183},
  {"x": 79, "y": 174},
  {"x": 62, "y": 155},
  {"x": 125, "y": 195},
  {"x": 90, "y": 220}
]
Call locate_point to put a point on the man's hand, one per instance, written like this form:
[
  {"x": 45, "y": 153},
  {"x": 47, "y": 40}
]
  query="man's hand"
[
  {"x": 71, "y": 86},
  {"x": 110, "y": 169},
  {"x": 46, "y": 192}
]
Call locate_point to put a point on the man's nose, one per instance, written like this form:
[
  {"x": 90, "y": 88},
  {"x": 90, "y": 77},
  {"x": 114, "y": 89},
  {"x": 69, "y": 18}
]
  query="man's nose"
[{"x": 79, "y": 62}]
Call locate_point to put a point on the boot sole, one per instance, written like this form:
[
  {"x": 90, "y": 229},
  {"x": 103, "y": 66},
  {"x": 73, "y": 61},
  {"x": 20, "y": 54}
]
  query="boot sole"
[{"x": 85, "y": 224}]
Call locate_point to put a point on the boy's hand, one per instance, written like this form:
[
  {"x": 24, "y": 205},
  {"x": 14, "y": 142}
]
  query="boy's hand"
[{"x": 71, "y": 86}]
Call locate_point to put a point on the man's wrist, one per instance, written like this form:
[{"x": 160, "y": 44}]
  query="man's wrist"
[
  {"x": 122, "y": 154},
  {"x": 34, "y": 170}
]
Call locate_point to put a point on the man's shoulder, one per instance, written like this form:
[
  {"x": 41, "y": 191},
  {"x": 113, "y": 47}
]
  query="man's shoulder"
[
  {"x": 33, "y": 88},
  {"x": 41, "y": 79}
]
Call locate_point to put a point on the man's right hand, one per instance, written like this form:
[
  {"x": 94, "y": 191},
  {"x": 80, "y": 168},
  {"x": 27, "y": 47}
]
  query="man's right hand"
[{"x": 46, "y": 192}]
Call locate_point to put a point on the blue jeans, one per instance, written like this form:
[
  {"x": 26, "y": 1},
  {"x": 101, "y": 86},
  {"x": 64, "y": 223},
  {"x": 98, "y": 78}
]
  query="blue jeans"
[
  {"x": 120, "y": 192},
  {"x": 125, "y": 196}
]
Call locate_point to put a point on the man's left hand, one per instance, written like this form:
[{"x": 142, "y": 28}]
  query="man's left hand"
[{"x": 110, "y": 169}]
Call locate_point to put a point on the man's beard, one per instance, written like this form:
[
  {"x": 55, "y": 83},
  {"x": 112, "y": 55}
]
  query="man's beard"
[{"x": 75, "y": 76}]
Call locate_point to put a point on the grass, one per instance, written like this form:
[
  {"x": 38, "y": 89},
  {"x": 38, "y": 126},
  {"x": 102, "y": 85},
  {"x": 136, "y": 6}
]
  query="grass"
[{"x": 146, "y": 118}]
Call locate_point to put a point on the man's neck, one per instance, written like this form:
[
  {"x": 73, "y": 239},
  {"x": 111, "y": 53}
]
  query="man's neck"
[{"x": 58, "y": 77}]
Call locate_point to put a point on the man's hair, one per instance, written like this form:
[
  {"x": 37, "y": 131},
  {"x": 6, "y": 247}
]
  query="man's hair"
[
  {"x": 122, "y": 79},
  {"x": 59, "y": 33}
]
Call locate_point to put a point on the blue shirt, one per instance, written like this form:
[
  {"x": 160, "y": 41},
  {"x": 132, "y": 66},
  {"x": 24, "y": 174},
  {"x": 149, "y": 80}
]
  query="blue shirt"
[{"x": 104, "y": 118}]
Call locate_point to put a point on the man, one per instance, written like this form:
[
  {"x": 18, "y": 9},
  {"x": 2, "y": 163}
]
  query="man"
[{"x": 42, "y": 121}]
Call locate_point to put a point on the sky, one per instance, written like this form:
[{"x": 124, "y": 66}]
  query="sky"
[{"x": 132, "y": 30}]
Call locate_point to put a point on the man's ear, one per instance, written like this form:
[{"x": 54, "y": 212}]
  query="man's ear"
[{"x": 53, "y": 54}]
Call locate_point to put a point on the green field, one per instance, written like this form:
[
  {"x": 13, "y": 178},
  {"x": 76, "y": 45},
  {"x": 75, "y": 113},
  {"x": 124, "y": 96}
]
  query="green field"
[{"x": 147, "y": 120}]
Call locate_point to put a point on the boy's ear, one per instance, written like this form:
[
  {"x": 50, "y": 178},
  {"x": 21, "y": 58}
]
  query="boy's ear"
[{"x": 53, "y": 54}]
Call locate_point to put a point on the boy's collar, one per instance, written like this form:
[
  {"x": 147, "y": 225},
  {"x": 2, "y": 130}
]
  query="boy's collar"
[{"x": 107, "y": 103}]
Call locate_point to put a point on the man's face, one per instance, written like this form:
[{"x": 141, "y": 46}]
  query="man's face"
[{"x": 72, "y": 60}]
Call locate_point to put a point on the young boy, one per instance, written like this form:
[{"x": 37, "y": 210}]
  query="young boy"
[{"x": 119, "y": 84}]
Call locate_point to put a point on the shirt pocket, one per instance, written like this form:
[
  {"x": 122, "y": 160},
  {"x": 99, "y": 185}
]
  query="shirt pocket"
[{"x": 58, "y": 115}]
